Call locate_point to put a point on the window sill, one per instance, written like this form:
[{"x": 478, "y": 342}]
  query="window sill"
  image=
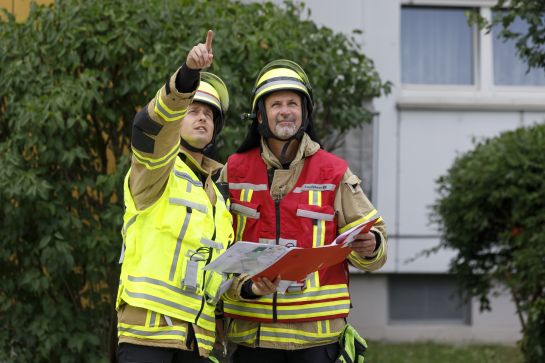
[{"x": 523, "y": 99}]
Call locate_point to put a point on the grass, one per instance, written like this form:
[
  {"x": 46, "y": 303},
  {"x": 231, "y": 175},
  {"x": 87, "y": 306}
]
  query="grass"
[{"x": 442, "y": 353}]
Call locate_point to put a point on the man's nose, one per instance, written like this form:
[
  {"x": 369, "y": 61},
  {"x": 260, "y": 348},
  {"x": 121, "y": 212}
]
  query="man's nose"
[{"x": 284, "y": 109}]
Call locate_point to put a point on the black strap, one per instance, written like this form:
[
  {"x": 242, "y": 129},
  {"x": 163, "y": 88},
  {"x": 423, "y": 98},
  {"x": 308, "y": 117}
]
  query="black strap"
[
  {"x": 190, "y": 336},
  {"x": 345, "y": 355}
]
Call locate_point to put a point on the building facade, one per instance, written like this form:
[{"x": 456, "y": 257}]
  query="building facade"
[{"x": 452, "y": 84}]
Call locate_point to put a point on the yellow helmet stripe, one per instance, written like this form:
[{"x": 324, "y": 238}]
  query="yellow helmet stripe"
[{"x": 202, "y": 96}]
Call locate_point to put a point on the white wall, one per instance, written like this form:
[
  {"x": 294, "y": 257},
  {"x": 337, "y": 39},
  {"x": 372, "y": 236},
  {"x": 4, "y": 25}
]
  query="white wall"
[
  {"x": 370, "y": 317},
  {"x": 418, "y": 134}
]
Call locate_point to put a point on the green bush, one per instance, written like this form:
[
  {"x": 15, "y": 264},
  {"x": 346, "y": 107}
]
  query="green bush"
[
  {"x": 72, "y": 77},
  {"x": 491, "y": 212}
]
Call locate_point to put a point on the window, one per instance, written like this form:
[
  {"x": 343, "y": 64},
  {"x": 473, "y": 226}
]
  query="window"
[
  {"x": 426, "y": 298},
  {"x": 437, "y": 46},
  {"x": 509, "y": 69}
]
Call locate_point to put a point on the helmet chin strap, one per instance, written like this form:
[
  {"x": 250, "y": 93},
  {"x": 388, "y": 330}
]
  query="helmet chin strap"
[
  {"x": 192, "y": 148},
  {"x": 266, "y": 132}
]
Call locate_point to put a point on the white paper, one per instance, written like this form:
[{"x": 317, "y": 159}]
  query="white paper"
[
  {"x": 247, "y": 257},
  {"x": 349, "y": 236}
]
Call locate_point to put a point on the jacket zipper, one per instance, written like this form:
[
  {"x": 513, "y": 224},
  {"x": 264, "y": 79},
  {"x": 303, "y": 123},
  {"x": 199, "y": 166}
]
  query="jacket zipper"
[{"x": 277, "y": 210}]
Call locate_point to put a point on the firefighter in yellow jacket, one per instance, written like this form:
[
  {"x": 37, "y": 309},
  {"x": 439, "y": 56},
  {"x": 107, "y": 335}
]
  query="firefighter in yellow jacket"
[
  {"x": 294, "y": 194},
  {"x": 176, "y": 220}
]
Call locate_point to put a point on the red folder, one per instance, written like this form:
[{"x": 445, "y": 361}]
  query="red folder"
[{"x": 297, "y": 263}]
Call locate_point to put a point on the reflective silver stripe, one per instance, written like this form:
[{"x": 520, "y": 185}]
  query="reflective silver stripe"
[
  {"x": 165, "y": 112},
  {"x": 198, "y": 206},
  {"x": 304, "y": 311},
  {"x": 168, "y": 320},
  {"x": 163, "y": 160},
  {"x": 164, "y": 284},
  {"x": 188, "y": 188},
  {"x": 239, "y": 308},
  {"x": 274, "y": 334},
  {"x": 152, "y": 319},
  {"x": 179, "y": 246},
  {"x": 254, "y": 187},
  {"x": 122, "y": 255},
  {"x": 315, "y": 198},
  {"x": 138, "y": 295},
  {"x": 314, "y": 215},
  {"x": 124, "y": 234},
  {"x": 187, "y": 177},
  {"x": 313, "y": 280},
  {"x": 319, "y": 227},
  {"x": 293, "y": 81},
  {"x": 152, "y": 333},
  {"x": 297, "y": 310},
  {"x": 244, "y": 338},
  {"x": 208, "y": 97},
  {"x": 128, "y": 224},
  {"x": 209, "y": 243},
  {"x": 205, "y": 342},
  {"x": 304, "y": 294},
  {"x": 315, "y": 187},
  {"x": 246, "y": 211},
  {"x": 323, "y": 326}
]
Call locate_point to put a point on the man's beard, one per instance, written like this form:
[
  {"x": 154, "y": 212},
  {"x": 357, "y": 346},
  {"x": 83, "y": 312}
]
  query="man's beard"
[{"x": 287, "y": 130}]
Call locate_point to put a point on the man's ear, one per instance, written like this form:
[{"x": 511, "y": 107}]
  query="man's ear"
[{"x": 259, "y": 118}]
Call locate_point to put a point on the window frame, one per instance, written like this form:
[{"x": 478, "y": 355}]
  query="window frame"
[
  {"x": 484, "y": 94},
  {"x": 474, "y": 65}
]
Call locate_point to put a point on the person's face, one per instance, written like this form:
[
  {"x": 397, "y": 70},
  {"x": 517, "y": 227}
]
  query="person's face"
[
  {"x": 284, "y": 113},
  {"x": 198, "y": 125}
]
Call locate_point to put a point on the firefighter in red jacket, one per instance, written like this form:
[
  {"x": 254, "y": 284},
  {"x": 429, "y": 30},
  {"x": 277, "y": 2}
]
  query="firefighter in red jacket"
[{"x": 285, "y": 189}]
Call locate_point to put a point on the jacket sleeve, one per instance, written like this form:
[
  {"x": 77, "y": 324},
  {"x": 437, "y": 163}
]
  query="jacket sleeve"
[
  {"x": 353, "y": 207},
  {"x": 155, "y": 139}
]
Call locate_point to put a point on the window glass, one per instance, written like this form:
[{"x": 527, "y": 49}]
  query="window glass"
[
  {"x": 509, "y": 69},
  {"x": 426, "y": 298},
  {"x": 436, "y": 46}
]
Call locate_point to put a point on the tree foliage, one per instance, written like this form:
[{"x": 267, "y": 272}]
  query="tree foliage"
[
  {"x": 490, "y": 211},
  {"x": 531, "y": 44},
  {"x": 72, "y": 77}
]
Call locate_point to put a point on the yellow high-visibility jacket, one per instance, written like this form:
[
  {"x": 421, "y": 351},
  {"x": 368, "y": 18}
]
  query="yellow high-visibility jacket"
[{"x": 167, "y": 244}]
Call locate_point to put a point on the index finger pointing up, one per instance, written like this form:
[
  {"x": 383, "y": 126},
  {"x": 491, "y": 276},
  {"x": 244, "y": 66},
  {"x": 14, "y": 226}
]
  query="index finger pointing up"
[{"x": 209, "y": 38}]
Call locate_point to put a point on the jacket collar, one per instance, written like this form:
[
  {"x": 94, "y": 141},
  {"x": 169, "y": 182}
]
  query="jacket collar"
[
  {"x": 307, "y": 147},
  {"x": 208, "y": 167}
]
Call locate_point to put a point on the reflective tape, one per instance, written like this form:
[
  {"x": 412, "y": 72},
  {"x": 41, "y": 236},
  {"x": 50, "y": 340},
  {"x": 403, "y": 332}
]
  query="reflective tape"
[
  {"x": 187, "y": 203},
  {"x": 181, "y": 236},
  {"x": 314, "y": 215},
  {"x": 244, "y": 210},
  {"x": 321, "y": 294},
  {"x": 165, "y": 302},
  {"x": 288, "y": 311},
  {"x": 255, "y": 187},
  {"x": 160, "y": 283},
  {"x": 188, "y": 177},
  {"x": 165, "y": 112},
  {"x": 213, "y": 244},
  {"x": 124, "y": 234},
  {"x": 152, "y": 164},
  {"x": 151, "y": 334},
  {"x": 292, "y": 335}
]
